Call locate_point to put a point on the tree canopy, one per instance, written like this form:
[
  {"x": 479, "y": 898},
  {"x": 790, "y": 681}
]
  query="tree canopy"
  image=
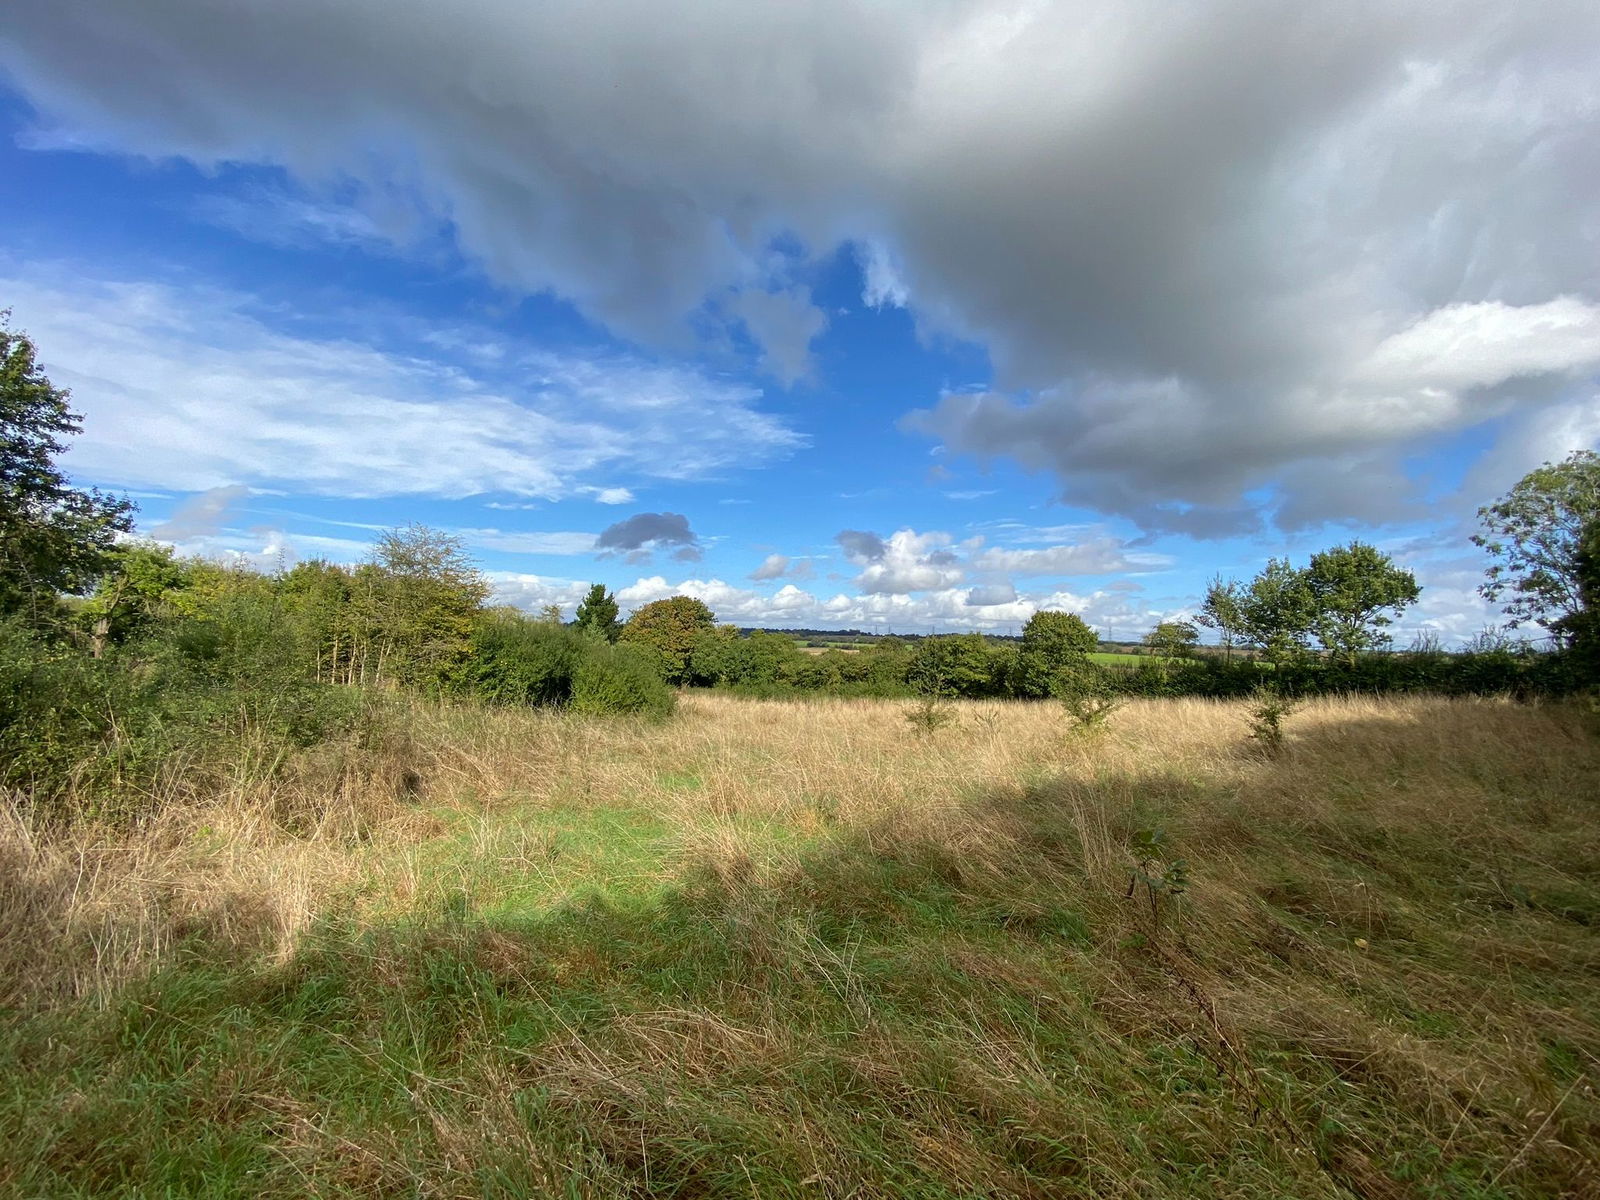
[
  {"x": 669, "y": 628},
  {"x": 54, "y": 538},
  {"x": 1537, "y": 535},
  {"x": 597, "y": 613},
  {"x": 1344, "y": 600}
]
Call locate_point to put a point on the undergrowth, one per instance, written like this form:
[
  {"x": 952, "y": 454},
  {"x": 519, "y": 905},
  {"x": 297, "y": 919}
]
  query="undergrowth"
[{"x": 785, "y": 950}]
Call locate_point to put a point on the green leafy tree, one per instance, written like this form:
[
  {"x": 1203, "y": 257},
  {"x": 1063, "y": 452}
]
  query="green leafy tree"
[
  {"x": 597, "y": 613},
  {"x": 669, "y": 627},
  {"x": 956, "y": 664},
  {"x": 54, "y": 538},
  {"x": 1053, "y": 643},
  {"x": 1536, "y": 534},
  {"x": 1277, "y": 611},
  {"x": 1354, "y": 590},
  {"x": 1223, "y": 611},
  {"x": 139, "y": 580},
  {"x": 1172, "y": 639},
  {"x": 427, "y": 596},
  {"x": 714, "y": 656}
]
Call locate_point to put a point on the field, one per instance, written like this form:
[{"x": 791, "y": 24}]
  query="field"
[{"x": 798, "y": 949}]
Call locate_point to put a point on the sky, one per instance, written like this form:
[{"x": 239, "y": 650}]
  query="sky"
[{"x": 911, "y": 315}]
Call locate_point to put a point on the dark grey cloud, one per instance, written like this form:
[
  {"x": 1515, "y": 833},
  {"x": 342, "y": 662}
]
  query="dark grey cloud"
[
  {"x": 860, "y": 546},
  {"x": 1201, "y": 243},
  {"x": 635, "y": 538}
]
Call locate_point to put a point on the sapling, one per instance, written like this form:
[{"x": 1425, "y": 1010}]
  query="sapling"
[{"x": 1266, "y": 720}]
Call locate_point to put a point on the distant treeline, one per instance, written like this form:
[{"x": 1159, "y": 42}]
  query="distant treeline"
[{"x": 976, "y": 666}]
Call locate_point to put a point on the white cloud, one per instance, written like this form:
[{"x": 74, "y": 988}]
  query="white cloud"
[
  {"x": 530, "y": 541},
  {"x": 1102, "y": 556},
  {"x": 1193, "y": 239},
  {"x": 609, "y": 495},
  {"x": 772, "y": 567},
  {"x": 184, "y": 388}
]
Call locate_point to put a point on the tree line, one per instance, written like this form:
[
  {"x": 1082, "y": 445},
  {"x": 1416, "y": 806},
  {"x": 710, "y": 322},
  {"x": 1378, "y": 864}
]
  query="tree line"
[{"x": 113, "y": 652}]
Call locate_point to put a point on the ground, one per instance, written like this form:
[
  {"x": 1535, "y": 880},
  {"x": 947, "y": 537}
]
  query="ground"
[{"x": 800, "y": 949}]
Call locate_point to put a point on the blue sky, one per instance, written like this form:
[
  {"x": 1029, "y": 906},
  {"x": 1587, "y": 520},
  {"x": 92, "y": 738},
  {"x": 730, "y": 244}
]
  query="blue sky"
[{"x": 910, "y": 316}]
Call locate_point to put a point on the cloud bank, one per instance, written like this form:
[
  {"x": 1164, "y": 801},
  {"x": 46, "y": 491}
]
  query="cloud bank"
[{"x": 1214, "y": 250}]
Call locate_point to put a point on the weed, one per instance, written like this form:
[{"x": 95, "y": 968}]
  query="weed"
[
  {"x": 930, "y": 714},
  {"x": 1267, "y": 711},
  {"x": 1161, "y": 877}
]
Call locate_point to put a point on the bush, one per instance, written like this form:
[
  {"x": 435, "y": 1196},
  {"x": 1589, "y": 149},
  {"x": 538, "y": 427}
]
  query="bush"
[
  {"x": 55, "y": 711},
  {"x": 517, "y": 661},
  {"x": 619, "y": 679}
]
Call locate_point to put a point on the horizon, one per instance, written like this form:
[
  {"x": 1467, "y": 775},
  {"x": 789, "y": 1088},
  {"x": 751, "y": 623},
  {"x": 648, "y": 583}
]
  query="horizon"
[{"x": 854, "y": 317}]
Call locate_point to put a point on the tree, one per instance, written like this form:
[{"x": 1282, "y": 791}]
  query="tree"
[
  {"x": 1353, "y": 590},
  {"x": 669, "y": 627},
  {"x": 1223, "y": 611},
  {"x": 1536, "y": 533},
  {"x": 550, "y": 614},
  {"x": 597, "y": 613},
  {"x": 54, "y": 538},
  {"x": 1053, "y": 643},
  {"x": 1172, "y": 639},
  {"x": 955, "y": 664},
  {"x": 426, "y": 593},
  {"x": 1277, "y": 611},
  {"x": 139, "y": 577}
]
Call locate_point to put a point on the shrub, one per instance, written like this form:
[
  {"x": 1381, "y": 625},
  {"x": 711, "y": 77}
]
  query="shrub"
[
  {"x": 929, "y": 715},
  {"x": 620, "y": 679},
  {"x": 1266, "y": 720},
  {"x": 517, "y": 661}
]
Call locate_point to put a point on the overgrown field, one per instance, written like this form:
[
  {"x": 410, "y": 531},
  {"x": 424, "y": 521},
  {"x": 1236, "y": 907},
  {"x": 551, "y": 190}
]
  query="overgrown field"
[{"x": 798, "y": 949}]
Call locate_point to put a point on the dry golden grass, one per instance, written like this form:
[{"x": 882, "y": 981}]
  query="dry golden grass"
[
  {"x": 83, "y": 909},
  {"x": 1391, "y": 926}
]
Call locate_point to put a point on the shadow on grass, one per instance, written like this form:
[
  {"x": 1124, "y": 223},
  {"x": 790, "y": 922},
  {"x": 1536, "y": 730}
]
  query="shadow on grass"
[{"x": 967, "y": 1007}]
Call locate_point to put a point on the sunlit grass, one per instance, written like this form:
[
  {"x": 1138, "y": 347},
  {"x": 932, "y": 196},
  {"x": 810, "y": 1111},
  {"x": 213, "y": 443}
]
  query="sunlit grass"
[{"x": 795, "y": 949}]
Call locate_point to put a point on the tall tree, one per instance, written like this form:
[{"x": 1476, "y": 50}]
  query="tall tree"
[
  {"x": 1277, "y": 611},
  {"x": 427, "y": 594},
  {"x": 669, "y": 627},
  {"x": 597, "y": 613},
  {"x": 1354, "y": 590},
  {"x": 1053, "y": 643},
  {"x": 54, "y": 538},
  {"x": 1223, "y": 611},
  {"x": 1535, "y": 534}
]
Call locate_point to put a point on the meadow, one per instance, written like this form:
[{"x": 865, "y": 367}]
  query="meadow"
[{"x": 798, "y": 948}]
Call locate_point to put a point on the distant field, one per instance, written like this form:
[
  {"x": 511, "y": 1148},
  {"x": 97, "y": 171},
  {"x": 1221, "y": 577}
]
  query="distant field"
[{"x": 794, "y": 949}]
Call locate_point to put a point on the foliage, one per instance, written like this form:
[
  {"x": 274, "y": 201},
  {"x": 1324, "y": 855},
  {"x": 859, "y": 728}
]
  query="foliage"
[
  {"x": 1277, "y": 611},
  {"x": 1160, "y": 875},
  {"x": 957, "y": 664},
  {"x": 620, "y": 679},
  {"x": 1354, "y": 589},
  {"x": 139, "y": 582},
  {"x": 1267, "y": 713},
  {"x": 1086, "y": 695},
  {"x": 1223, "y": 610},
  {"x": 669, "y": 627},
  {"x": 1052, "y": 642},
  {"x": 424, "y": 598},
  {"x": 597, "y": 613},
  {"x": 514, "y": 660},
  {"x": 1537, "y": 535},
  {"x": 53, "y": 538},
  {"x": 1173, "y": 639},
  {"x": 930, "y": 714}
]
